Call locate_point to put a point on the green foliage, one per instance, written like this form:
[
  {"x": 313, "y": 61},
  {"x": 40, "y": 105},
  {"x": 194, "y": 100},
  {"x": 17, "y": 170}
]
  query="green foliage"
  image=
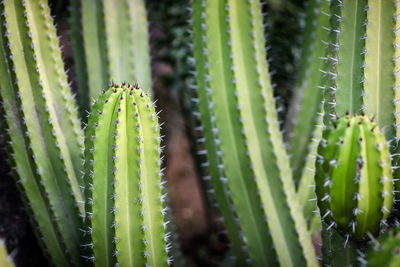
[
  {"x": 42, "y": 126},
  {"x": 353, "y": 177},
  {"x": 238, "y": 112},
  {"x": 124, "y": 199}
]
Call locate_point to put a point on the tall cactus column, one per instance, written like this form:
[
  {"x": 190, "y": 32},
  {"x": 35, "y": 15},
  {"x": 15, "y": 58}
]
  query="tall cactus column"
[
  {"x": 125, "y": 213},
  {"x": 43, "y": 129}
]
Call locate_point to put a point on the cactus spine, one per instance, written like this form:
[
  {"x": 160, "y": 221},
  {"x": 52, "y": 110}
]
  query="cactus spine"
[
  {"x": 385, "y": 250},
  {"x": 125, "y": 214},
  {"x": 43, "y": 129},
  {"x": 115, "y": 35},
  {"x": 241, "y": 102}
]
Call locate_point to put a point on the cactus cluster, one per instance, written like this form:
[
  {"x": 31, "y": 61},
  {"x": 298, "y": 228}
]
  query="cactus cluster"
[
  {"x": 123, "y": 186},
  {"x": 354, "y": 183}
]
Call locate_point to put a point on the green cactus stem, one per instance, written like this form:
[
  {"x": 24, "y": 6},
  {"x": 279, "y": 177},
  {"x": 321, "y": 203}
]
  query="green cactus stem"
[
  {"x": 306, "y": 103},
  {"x": 42, "y": 126},
  {"x": 354, "y": 183},
  {"x": 116, "y": 42},
  {"x": 385, "y": 250},
  {"x": 125, "y": 213},
  {"x": 246, "y": 127}
]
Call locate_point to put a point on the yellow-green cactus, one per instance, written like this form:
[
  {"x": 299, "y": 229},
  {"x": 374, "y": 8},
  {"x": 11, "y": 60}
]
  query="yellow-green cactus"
[{"x": 123, "y": 185}]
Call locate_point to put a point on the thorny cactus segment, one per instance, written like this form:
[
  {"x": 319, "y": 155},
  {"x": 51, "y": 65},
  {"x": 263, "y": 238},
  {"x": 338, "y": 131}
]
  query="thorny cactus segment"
[
  {"x": 209, "y": 140},
  {"x": 350, "y": 60},
  {"x": 379, "y": 69},
  {"x": 42, "y": 127},
  {"x": 116, "y": 40},
  {"x": 246, "y": 127},
  {"x": 5, "y": 259},
  {"x": 354, "y": 184},
  {"x": 385, "y": 251},
  {"x": 125, "y": 214},
  {"x": 303, "y": 111}
]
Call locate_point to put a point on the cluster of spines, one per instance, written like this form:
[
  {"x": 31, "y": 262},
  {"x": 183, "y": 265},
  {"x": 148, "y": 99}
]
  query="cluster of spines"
[
  {"x": 116, "y": 40},
  {"x": 384, "y": 251},
  {"x": 123, "y": 184},
  {"x": 41, "y": 116},
  {"x": 239, "y": 139},
  {"x": 354, "y": 170}
]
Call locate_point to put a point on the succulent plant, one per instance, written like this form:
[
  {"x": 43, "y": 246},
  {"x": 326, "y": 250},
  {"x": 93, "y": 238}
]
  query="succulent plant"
[
  {"x": 354, "y": 183},
  {"x": 42, "y": 127},
  {"x": 385, "y": 252},
  {"x": 123, "y": 185}
]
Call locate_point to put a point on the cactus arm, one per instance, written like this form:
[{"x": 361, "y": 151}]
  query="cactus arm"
[
  {"x": 94, "y": 38},
  {"x": 79, "y": 58},
  {"x": 102, "y": 217},
  {"x": 236, "y": 163},
  {"x": 127, "y": 160},
  {"x": 221, "y": 192},
  {"x": 272, "y": 184},
  {"x": 152, "y": 208},
  {"x": 42, "y": 128},
  {"x": 61, "y": 107},
  {"x": 20, "y": 155},
  {"x": 310, "y": 104},
  {"x": 141, "y": 47},
  {"x": 378, "y": 72},
  {"x": 119, "y": 40},
  {"x": 350, "y": 62}
]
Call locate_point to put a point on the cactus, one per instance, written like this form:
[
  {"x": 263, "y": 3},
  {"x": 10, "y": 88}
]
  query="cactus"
[
  {"x": 5, "y": 259},
  {"x": 124, "y": 200},
  {"x": 353, "y": 179},
  {"x": 247, "y": 132},
  {"x": 306, "y": 102},
  {"x": 43, "y": 129},
  {"x": 116, "y": 49},
  {"x": 385, "y": 250}
]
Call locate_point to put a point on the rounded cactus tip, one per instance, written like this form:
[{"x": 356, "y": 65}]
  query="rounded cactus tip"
[{"x": 354, "y": 184}]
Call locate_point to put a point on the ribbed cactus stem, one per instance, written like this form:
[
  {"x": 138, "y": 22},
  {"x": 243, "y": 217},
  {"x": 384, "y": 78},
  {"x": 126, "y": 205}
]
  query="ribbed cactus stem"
[
  {"x": 385, "y": 250},
  {"x": 354, "y": 183},
  {"x": 116, "y": 40},
  {"x": 43, "y": 127},
  {"x": 123, "y": 177}
]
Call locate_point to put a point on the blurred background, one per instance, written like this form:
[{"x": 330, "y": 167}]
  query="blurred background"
[{"x": 201, "y": 235}]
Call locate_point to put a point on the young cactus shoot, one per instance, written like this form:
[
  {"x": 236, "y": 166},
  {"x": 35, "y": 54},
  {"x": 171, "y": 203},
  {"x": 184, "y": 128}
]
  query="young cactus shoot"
[
  {"x": 354, "y": 183},
  {"x": 125, "y": 213}
]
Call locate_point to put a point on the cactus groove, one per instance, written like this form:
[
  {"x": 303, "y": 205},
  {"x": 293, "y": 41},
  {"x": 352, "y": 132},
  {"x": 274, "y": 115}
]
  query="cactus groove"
[{"x": 125, "y": 213}]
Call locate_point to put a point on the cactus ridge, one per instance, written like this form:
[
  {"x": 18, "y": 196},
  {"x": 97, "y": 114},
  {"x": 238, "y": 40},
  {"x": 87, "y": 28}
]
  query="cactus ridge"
[
  {"x": 34, "y": 80},
  {"x": 119, "y": 48},
  {"x": 125, "y": 217},
  {"x": 354, "y": 183},
  {"x": 212, "y": 164}
]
